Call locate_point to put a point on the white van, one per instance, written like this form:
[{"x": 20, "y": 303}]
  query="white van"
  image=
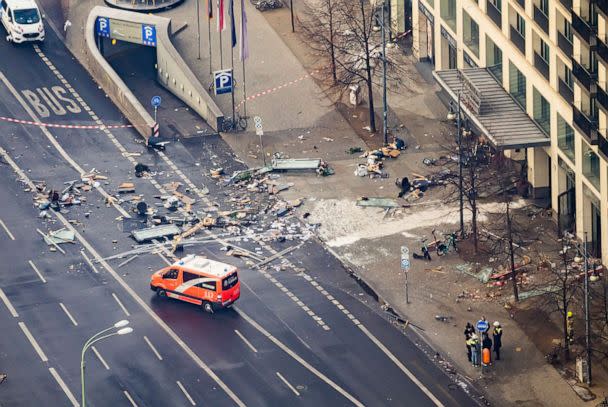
[{"x": 22, "y": 20}]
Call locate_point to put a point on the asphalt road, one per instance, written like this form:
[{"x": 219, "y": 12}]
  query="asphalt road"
[{"x": 271, "y": 349}]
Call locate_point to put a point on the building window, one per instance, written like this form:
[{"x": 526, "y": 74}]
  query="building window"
[
  {"x": 521, "y": 26},
  {"x": 448, "y": 13},
  {"x": 497, "y": 4},
  {"x": 517, "y": 85},
  {"x": 544, "y": 51},
  {"x": 470, "y": 33},
  {"x": 591, "y": 165},
  {"x": 542, "y": 111},
  {"x": 568, "y": 30},
  {"x": 565, "y": 137},
  {"x": 494, "y": 59},
  {"x": 544, "y": 7},
  {"x": 431, "y": 3},
  {"x": 568, "y": 77}
]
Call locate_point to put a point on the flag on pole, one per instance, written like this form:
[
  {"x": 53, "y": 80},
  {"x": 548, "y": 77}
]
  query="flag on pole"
[
  {"x": 220, "y": 16},
  {"x": 209, "y": 9},
  {"x": 244, "y": 48},
  {"x": 232, "y": 27}
]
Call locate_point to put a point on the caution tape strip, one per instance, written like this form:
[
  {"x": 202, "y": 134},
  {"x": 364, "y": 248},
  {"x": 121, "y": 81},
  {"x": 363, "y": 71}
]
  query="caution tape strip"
[{"x": 65, "y": 126}]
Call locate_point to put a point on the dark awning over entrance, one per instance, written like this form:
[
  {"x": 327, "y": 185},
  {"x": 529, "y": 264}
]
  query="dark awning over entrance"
[{"x": 492, "y": 110}]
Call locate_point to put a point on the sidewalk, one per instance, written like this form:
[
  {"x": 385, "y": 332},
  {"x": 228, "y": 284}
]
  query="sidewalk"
[{"x": 363, "y": 238}]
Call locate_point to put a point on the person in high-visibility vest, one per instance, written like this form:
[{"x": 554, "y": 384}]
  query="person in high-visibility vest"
[
  {"x": 475, "y": 350},
  {"x": 497, "y": 335},
  {"x": 570, "y": 327}
]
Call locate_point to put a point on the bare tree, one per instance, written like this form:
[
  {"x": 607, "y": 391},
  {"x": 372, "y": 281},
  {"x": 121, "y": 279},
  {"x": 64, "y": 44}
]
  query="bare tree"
[{"x": 342, "y": 32}]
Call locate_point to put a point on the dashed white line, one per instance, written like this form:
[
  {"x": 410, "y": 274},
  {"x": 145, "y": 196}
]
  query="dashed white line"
[
  {"x": 295, "y": 356},
  {"x": 120, "y": 305},
  {"x": 89, "y": 262},
  {"x": 181, "y": 386},
  {"x": 64, "y": 387},
  {"x": 101, "y": 359},
  {"x": 37, "y": 271},
  {"x": 284, "y": 380},
  {"x": 32, "y": 340},
  {"x": 8, "y": 304},
  {"x": 153, "y": 348},
  {"x": 8, "y": 232},
  {"x": 128, "y": 396},
  {"x": 240, "y": 335},
  {"x": 64, "y": 308},
  {"x": 404, "y": 369}
]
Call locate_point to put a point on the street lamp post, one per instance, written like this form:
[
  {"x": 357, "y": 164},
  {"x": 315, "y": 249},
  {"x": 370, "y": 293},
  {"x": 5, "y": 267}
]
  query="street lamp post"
[
  {"x": 587, "y": 317},
  {"x": 101, "y": 335}
]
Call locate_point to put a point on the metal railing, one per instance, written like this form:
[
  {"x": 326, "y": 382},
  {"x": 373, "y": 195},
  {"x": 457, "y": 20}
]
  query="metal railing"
[
  {"x": 541, "y": 65},
  {"x": 541, "y": 19},
  {"x": 494, "y": 13},
  {"x": 518, "y": 40},
  {"x": 566, "y": 91},
  {"x": 564, "y": 43}
]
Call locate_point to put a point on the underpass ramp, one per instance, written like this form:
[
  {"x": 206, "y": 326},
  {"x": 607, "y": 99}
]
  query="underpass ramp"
[{"x": 172, "y": 72}]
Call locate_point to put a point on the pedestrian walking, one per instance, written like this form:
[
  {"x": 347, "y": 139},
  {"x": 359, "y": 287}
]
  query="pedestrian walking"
[
  {"x": 475, "y": 350},
  {"x": 486, "y": 346},
  {"x": 497, "y": 335},
  {"x": 468, "y": 332}
]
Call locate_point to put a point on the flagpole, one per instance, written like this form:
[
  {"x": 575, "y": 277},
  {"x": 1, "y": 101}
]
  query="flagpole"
[
  {"x": 198, "y": 28},
  {"x": 221, "y": 52},
  {"x": 244, "y": 92},
  {"x": 232, "y": 43}
]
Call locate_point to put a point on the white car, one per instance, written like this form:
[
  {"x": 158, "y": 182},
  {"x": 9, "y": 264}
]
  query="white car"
[{"x": 22, "y": 20}]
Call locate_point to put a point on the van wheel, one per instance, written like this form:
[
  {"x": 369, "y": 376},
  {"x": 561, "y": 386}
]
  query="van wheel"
[
  {"x": 161, "y": 293},
  {"x": 208, "y": 307}
]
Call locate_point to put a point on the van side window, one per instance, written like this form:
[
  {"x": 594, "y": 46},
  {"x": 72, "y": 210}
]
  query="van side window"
[
  {"x": 171, "y": 274},
  {"x": 190, "y": 276},
  {"x": 230, "y": 281},
  {"x": 208, "y": 285}
]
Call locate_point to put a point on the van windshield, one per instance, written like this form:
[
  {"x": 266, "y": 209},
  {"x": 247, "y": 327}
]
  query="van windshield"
[
  {"x": 26, "y": 16},
  {"x": 230, "y": 281}
]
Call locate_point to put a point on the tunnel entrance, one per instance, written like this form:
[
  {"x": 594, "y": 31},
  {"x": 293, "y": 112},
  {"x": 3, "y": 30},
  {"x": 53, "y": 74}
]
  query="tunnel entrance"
[{"x": 130, "y": 49}]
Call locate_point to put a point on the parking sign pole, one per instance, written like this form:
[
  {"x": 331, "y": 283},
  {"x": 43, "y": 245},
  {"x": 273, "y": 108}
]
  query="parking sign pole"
[
  {"x": 155, "y": 108},
  {"x": 407, "y": 297}
]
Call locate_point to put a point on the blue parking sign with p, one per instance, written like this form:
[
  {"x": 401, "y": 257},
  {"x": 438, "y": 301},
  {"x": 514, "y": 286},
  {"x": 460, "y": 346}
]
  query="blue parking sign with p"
[
  {"x": 148, "y": 35},
  {"x": 103, "y": 27},
  {"x": 223, "y": 81}
]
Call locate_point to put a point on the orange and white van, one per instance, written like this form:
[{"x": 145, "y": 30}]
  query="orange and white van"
[{"x": 201, "y": 281}]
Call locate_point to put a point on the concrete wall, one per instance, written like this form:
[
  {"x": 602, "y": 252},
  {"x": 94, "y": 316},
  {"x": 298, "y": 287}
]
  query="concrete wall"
[{"x": 173, "y": 73}]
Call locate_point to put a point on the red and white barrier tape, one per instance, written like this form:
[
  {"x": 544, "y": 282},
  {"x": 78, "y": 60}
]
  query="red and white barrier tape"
[{"x": 65, "y": 126}]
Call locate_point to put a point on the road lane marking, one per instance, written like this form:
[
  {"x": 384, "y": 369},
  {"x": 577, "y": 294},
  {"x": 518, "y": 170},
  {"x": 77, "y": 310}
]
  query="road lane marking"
[
  {"x": 56, "y": 144},
  {"x": 181, "y": 386},
  {"x": 101, "y": 359},
  {"x": 64, "y": 387},
  {"x": 8, "y": 304},
  {"x": 299, "y": 359},
  {"x": 120, "y": 304},
  {"x": 89, "y": 262},
  {"x": 128, "y": 289},
  {"x": 246, "y": 341},
  {"x": 404, "y": 369},
  {"x": 64, "y": 308},
  {"x": 32, "y": 340},
  {"x": 8, "y": 232},
  {"x": 153, "y": 348},
  {"x": 284, "y": 380},
  {"x": 128, "y": 396},
  {"x": 37, "y": 271}
]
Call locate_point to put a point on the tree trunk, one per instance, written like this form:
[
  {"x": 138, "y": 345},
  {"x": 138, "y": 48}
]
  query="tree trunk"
[
  {"x": 473, "y": 200},
  {"x": 512, "y": 253},
  {"x": 331, "y": 42},
  {"x": 565, "y": 305},
  {"x": 368, "y": 70}
]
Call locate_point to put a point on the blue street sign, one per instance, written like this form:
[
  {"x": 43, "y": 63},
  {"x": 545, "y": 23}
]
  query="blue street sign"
[
  {"x": 482, "y": 326},
  {"x": 148, "y": 35},
  {"x": 405, "y": 258},
  {"x": 155, "y": 101},
  {"x": 223, "y": 81},
  {"x": 405, "y": 264},
  {"x": 103, "y": 27}
]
